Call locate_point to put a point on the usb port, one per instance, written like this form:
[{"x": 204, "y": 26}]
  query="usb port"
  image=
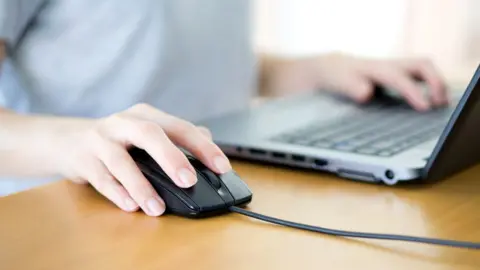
[
  {"x": 298, "y": 158},
  {"x": 320, "y": 162},
  {"x": 279, "y": 155},
  {"x": 257, "y": 151}
]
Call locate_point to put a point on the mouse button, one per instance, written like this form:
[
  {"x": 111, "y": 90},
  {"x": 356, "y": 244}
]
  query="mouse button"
[
  {"x": 236, "y": 186},
  {"x": 216, "y": 183},
  {"x": 162, "y": 184},
  {"x": 139, "y": 154},
  {"x": 178, "y": 205},
  {"x": 226, "y": 196},
  {"x": 195, "y": 162},
  {"x": 221, "y": 189},
  {"x": 204, "y": 195},
  {"x": 212, "y": 178}
]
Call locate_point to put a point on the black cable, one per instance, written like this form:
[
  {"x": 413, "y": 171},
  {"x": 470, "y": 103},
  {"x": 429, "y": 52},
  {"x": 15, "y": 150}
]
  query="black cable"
[{"x": 300, "y": 226}]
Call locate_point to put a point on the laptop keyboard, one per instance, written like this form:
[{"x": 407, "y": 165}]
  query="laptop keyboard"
[{"x": 384, "y": 133}]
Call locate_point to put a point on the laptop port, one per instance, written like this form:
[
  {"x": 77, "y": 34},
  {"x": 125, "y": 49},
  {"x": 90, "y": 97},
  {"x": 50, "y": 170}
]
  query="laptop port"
[
  {"x": 389, "y": 174},
  {"x": 319, "y": 162},
  {"x": 279, "y": 155},
  {"x": 257, "y": 151},
  {"x": 356, "y": 175},
  {"x": 298, "y": 158}
]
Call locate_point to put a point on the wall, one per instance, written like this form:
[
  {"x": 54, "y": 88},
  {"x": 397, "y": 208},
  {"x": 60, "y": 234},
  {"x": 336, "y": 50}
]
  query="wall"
[{"x": 446, "y": 31}]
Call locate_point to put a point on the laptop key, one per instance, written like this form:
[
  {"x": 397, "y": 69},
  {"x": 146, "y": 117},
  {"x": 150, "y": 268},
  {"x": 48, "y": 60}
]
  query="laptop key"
[
  {"x": 344, "y": 146},
  {"x": 383, "y": 144},
  {"x": 366, "y": 150},
  {"x": 302, "y": 142},
  {"x": 369, "y": 133},
  {"x": 385, "y": 153},
  {"x": 322, "y": 143},
  {"x": 396, "y": 149},
  {"x": 284, "y": 138}
]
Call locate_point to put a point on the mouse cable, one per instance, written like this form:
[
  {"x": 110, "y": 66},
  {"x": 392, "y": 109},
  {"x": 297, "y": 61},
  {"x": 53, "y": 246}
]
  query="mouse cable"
[{"x": 451, "y": 243}]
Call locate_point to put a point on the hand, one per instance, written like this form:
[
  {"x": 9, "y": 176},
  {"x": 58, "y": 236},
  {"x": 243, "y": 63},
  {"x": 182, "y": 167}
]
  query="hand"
[
  {"x": 356, "y": 77},
  {"x": 95, "y": 152}
]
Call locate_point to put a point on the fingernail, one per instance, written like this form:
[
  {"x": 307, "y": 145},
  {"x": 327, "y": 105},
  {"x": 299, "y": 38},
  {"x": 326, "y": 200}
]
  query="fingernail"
[
  {"x": 130, "y": 205},
  {"x": 222, "y": 164},
  {"x": 187, "y": 177},
  {"x": 155, "y": 207}
]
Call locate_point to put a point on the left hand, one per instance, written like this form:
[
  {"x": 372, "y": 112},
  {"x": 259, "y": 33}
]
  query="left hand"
[{"x": 356, "y": 77}]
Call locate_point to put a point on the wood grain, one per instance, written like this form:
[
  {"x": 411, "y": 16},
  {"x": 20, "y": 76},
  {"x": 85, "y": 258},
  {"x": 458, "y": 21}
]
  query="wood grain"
[{"x": 66, "y": 226}]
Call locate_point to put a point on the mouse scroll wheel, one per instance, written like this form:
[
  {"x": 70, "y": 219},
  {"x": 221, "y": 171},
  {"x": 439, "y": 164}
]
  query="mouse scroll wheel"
[{"x": 212, "y": 178}]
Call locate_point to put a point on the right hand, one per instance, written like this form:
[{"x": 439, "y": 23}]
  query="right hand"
[{"x": 95, "y": 152}]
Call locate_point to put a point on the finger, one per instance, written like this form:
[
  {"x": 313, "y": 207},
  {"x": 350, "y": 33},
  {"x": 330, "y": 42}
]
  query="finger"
[
  {"x": 103, "y": 181},
  {"x": 78, "y": 180},
  {"x": 357, "y": 88},
  {"x": 205, "y": 131},
  {"x": 427, "y": 72},
  {"x": 191, "y": 138},
  {"x": 124, "y": 169},
  {"x": 399, "y": 81},
  {"x": 150, "y": 136},
  {"x": 188, "y": 136}
]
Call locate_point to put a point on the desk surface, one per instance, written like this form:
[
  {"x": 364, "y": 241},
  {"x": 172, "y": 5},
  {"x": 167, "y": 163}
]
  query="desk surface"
[{"x": 65, "y": 226}]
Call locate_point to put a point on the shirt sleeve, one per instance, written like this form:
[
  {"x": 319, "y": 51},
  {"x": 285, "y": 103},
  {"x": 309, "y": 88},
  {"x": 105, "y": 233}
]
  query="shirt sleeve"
[{"x": 15, "y": 15}]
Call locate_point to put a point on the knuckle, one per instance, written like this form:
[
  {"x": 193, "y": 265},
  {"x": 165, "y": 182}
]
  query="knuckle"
[
  {"x": 141, "y": 191},
  {"x": 148, "y": 127},
  {"x": 108, "y": 178},
  {"x": 141, "y": 107},
  {"x": 119, "y": 191},
  {"x": 208, "y": 148},
  {"x": 103, "y": 182},
  {"x": 207, "y": 145},
  {"x": 113, "y": 120},
  {"x": 113, "y": 157},
  {"x": 95, "y": 138},
  {"x": 204, "y": 130},
  {"x": 187, "y": 127}
]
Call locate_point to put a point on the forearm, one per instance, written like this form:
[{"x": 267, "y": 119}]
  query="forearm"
[
  {"x": 29, "y": 145},
  {"x": 281, "y": 75}
]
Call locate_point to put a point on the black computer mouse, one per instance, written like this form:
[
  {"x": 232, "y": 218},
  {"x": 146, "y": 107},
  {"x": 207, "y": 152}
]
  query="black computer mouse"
[{"x": 213, "y": 194}]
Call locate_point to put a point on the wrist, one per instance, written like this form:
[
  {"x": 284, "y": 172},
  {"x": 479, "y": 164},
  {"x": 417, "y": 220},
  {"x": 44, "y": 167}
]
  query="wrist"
[
  {"x": 36, "y": 145},
  {"x": 282, "y": 76},
  {"x": 58, "y": 139}
]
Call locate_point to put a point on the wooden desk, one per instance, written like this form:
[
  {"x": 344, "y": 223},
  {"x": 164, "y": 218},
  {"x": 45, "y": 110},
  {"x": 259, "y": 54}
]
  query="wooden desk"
[{"x": 64, "y": 226}]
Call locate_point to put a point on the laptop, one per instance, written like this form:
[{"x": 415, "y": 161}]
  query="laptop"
[{"x": 385, "y": 141}]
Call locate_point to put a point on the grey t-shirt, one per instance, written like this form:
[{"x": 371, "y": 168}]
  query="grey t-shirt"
[{"x": 91, "y": 58}]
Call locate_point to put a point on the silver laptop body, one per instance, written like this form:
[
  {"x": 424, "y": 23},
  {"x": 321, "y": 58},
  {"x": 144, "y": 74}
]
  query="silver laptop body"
[{"x": 382, "y": 141}]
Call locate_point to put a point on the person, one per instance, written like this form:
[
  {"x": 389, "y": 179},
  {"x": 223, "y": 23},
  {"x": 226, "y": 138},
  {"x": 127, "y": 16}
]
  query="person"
[{"x": 83, "y": 81}]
